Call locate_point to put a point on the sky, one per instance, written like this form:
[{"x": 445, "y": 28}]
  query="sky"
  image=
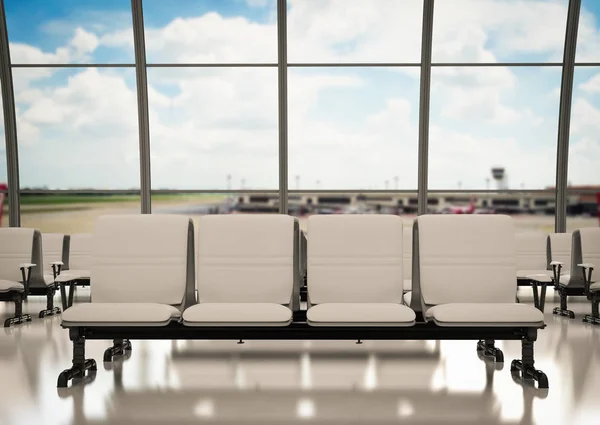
[{"x": 349, "y": 128}]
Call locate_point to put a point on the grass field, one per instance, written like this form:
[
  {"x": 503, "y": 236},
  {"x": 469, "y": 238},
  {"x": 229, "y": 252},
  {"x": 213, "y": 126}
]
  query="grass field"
[{"x": 67, "y": 199}]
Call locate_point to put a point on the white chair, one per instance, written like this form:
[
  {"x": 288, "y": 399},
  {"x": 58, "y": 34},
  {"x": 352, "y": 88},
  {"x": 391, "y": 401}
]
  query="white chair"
[
  {"x": 531, "y": 254},
  {"x": 79, "y": 261},
  {"x": 585, "y": 254},
  {"x": 532, "y": 264},
  {"x": 355, "y": 275},
  {"x": 55, "y": 248},
  {"x": 55, "y": 251},
  {"x": 465, "y": 267},
  {"x": 76, "y": 271},
  {"x": 559, "y": 251},
  {"x": 41, "y": 279},
  {"x": 559, "y": 256},
  {"x": 247, "y": 271},
  {"x": 20, "y": 261},
  {"x": 143, "y": 277}
]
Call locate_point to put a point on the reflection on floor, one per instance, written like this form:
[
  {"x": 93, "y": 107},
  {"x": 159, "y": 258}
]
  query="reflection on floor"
[{"x": 322, "y": 382}]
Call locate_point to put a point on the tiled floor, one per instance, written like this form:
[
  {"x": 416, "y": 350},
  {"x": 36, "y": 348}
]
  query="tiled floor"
[{"x": 185, "y": 382}]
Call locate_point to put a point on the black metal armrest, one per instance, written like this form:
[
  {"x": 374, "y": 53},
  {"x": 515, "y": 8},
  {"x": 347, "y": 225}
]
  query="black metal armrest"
[
  {"x": 26, "y": 275},
  {"x": 587, "y": 276},
  {"x": 556, "y": 270}
]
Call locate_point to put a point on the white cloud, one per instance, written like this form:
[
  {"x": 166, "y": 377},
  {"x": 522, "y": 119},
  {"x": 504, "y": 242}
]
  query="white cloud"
[
  {"x": 486, "y": 30},
  {"x": 78, "y": 49},
  {"x": 82, "y": 133},
  {"x": 212, "y": 38},
  {"x": 592, "y": 85}
]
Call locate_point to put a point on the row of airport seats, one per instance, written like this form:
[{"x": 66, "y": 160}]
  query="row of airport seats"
[
  {"x": 240, "y": 280},
  {"x": 32, "y": 263},
  {"x": 565, "y": 260}
]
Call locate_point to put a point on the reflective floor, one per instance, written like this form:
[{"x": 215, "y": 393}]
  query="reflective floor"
[{"x": 185, "y": 382}]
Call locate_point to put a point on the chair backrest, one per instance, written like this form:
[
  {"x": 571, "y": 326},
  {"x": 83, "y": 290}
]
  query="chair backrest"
[
  {"x": 248, "y": 258},
  {"x": 464, "y": 259},
  {"x": 407, "y": 241},
  {"x": 18, "y": 246},
  {"x": 145, "y": 258},
  {"x": 531, "y": 251},
  {"x": 80, "y": 252},
  {"x": 55, "y": 247},
  {"x": 355, "y": 258},
  {"x": 585, "y": 249},
  {"x": 558, "y": 248},
  {"x": 302, "y": 253}
]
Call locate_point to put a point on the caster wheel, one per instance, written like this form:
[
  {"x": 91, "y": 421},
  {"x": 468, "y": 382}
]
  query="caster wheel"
[
  {"x": 108, "y": 355},
  {"x": 94, "y": 366},
  {"x": 42, "y": 314},
  {"x": 571, "y": 315},
  {"x": 499, "y": 356},
  {"x": 63, "y": 380},
  {"x": 513, "y": 366},
  {"x": 542, "y": 380}
]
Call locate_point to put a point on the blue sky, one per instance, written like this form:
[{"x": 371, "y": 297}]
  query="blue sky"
[{"x": 348, "y": 127}]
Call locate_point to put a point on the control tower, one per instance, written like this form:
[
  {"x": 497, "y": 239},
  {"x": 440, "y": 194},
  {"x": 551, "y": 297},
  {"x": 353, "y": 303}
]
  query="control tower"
[{"x": 499, "y": 175}]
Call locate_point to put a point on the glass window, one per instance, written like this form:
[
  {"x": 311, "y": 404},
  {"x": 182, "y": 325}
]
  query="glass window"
[
  {"x": 588, "y": 32},
  {"x": 70, "y": 31},
  {"x": 483, "y": 31},
  {"x": 373, "y": 31},
  {"x": 210, "y": 31},
  {"x": 493, "y": 118},
  {"x": 584, "y": 149},
  {"x": 353, "y": 128},
  {"x": 214, "y": 128},
  {"x": 73, "y": 213},
  {"x": 77, "y": 128}
]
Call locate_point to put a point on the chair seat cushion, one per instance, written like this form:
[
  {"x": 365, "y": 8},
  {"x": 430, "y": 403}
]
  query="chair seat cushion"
[
  {"x": 539, "y": 278},
  {"x": 71, "y": 275},
  {"x": 119, "y": 314},
  {"x": 237, "y": 314},
  {"x": 525, "y": 274},
  {"x": 595, "y": 287},
  {"x": 360, "y": 314},
  {"x": 10, "y": 285},
  {"x": 564, "y": 279},
  {"x": 485, "y": 314}
]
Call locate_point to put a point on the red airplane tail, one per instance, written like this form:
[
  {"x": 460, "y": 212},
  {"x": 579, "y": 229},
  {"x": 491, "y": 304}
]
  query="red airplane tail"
[
  {"x": 471, "y": 209},
  {"x": 3, "y": 187}
]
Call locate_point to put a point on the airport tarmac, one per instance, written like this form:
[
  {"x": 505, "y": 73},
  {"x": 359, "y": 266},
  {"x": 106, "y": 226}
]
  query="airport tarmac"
[{"x": 82, "y": 220}]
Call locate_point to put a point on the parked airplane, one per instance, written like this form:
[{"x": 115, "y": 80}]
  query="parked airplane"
[{"x": 460, "y": 209}]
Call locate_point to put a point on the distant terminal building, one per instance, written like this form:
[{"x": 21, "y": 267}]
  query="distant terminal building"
[
  {"x": 581, "y": 200},
  {"x": 540, "y": 202}
]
